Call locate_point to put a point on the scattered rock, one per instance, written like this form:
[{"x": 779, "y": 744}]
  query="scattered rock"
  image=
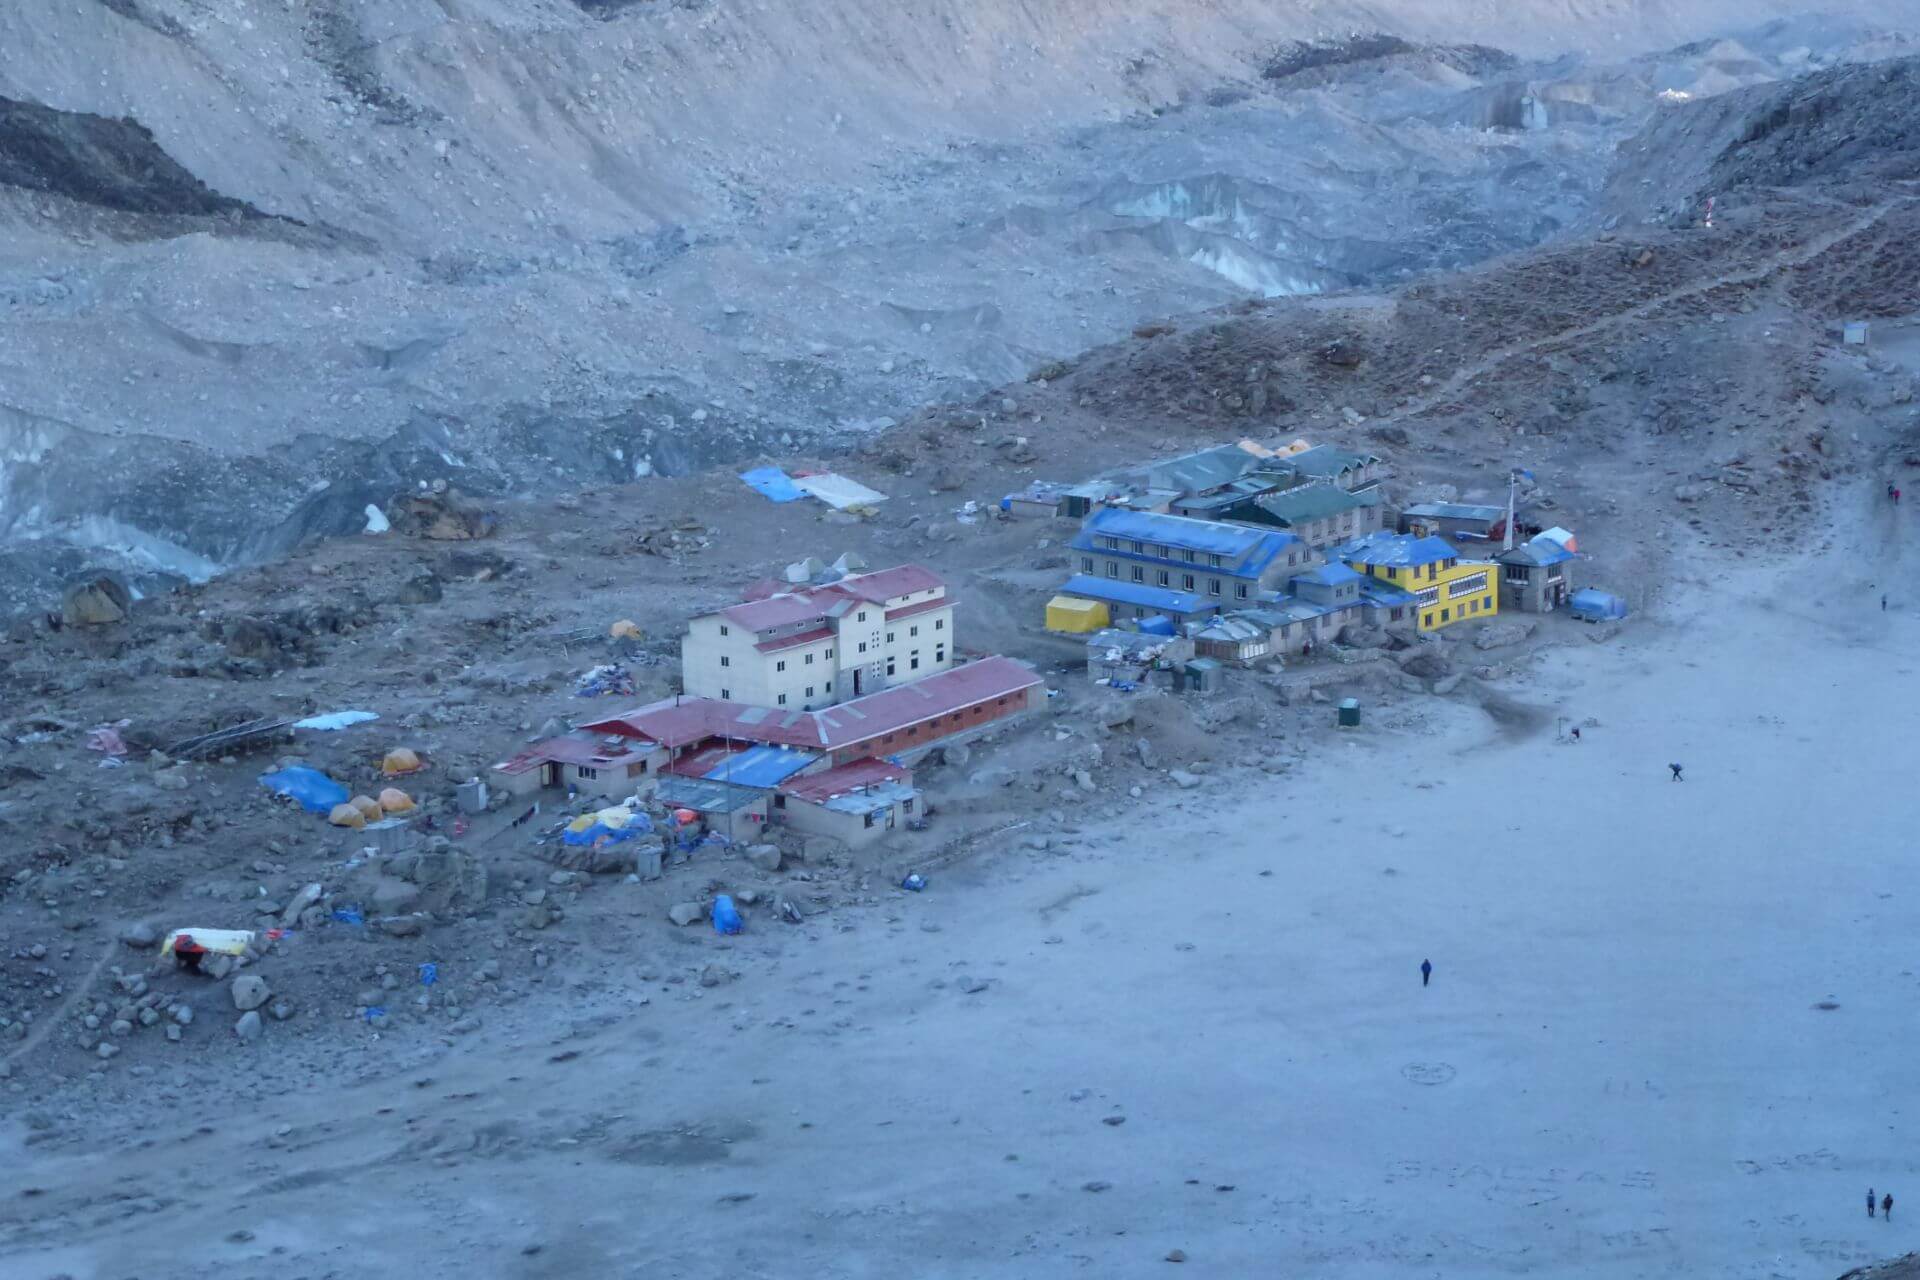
[
  {"x": 1176, "y": 1255},
  {"x": 1496, "y": 635},
  {"x": 1083, "y": 780},
  {"x": 1184, "y": 780},
  {"x": 140, "y": 935},
  {"x": 249, "y": 991},
  {"x": 715, "y": 974},
  {"x": 107, "y": 1049},
  {"x": 281, "y": 1009},
  {"x": 1691, "y": 492},
  {"x": 1447, "y": 684},
  {"x": 686, "y": 913},
  {"x": 1096, "y": 1186},
  {"x": 764, "y": 857},
  {"x": 249, "y": 1025}
]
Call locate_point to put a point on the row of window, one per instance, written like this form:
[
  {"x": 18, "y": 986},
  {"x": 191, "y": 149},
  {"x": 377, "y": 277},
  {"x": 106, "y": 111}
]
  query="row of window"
[
  {"x": 1159, "y": 552},
  {"x": 1163, "y": 578},
  {"x": 726, "y": 695},
  {"x": 1467, "y": 586},
  {"x": 1443, "y": 616}
]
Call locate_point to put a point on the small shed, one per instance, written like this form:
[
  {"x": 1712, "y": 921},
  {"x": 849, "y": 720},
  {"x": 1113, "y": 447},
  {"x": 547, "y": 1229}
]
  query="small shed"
[
  {"x": 1075, "y": 616},
  {"x": 1349, "y": 713}
]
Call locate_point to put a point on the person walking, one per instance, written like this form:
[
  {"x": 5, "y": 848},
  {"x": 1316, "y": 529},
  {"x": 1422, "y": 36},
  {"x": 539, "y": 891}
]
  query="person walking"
[
  {"x": 1883, "y": 602},
  {"x": 1886, "y": 1207},
  {"x": 1676, "y": 773},
  {"x": 1870, "y": 1202},
  {"x": 1576, "y": 733},
  {"x": 1426, "y": 972}
]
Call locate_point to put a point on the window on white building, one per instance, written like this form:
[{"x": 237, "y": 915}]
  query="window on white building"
[
  {"x": 782, "y": 700},
  {"x": 1186, "y": 581},
  {"x": 889, "y": 666},
  {"x": 829, "y": 686},
  {"x": 863, "y": 646},
  {"x": 862, "y": 617},
  {"x": 1139, "y": 573},
  {"x": 809, "y": 691},
  {"x": 829, "y": 654},
  {"x": 780, "y": 665},
  {"x": 1139, "y": 547},
  {"x": 726, "y": 695},
  {"x": 889, "y": 637},
  {"x": 913, "y": 630},
  {"x": 939, "y": 653},
  {"x": 1240, "y": 590},
  {"x": 809, "y": 659},
  {"x": 1213, "y": 586},
  {"x": 1086, "y": 564},
  {"x": 1162, "y": 577},
  {"x": 913, "y": 663},
  {"x": 1113, "y": 568},
  {"x": 585, "y": 772},
  {"x": 939, "y": 624},
  {"x": 723, "y": 628},
  {"x": 725, "y": 661}
]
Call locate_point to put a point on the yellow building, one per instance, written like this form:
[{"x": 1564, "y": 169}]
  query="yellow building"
[
  {"x": 1075, "y": 616},
  {"x": 1445, "y": 588}
]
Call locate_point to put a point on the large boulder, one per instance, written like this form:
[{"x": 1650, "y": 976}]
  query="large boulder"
[
  {"x": 451, "y": 881},
  {"x": 249, "y": 991},
  {"x": 96, "y": 601},
  {"x": 1357, "y": 636},
  {"x": 442, "y": 517}
]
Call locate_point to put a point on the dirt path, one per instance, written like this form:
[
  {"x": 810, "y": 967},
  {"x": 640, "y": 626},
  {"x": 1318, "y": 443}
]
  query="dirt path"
[
  {"x": 44, "y": 1026},
  {"x": 1798, "y": 256}
]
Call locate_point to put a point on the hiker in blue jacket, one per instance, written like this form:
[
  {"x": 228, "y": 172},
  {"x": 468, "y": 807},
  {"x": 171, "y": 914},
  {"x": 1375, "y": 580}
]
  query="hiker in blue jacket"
[{"x": 1426, "y": 972}]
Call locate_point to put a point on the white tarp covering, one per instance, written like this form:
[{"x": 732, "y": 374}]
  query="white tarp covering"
[{"x": 839, "y": 492}]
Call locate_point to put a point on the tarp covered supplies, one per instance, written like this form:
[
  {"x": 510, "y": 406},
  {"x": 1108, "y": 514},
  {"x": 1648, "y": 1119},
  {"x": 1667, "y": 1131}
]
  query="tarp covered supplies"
[
  {"x": 225, "y": 942},
  {"x": 313, "y": 790},
  {"x": 604, "y": 681}
]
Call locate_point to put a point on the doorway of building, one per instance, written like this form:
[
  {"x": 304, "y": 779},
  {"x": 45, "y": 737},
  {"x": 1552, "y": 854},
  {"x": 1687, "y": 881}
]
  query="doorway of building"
[{"x": 856, "y": 683}]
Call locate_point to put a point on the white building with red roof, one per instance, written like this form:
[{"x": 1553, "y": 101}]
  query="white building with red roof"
[{"x": 818, "y": 646}]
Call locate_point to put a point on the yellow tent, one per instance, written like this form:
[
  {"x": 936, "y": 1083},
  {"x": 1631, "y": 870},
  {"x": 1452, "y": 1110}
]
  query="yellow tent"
[
  {"x": 347, "y": 815},
  {"x": 626, "y": 629},
  {"x": 1075, "y": 616},
  {"x": 394, "y": 800},
  {"x": 400, "y": 760},
  {"x": 369, "y": 808}
]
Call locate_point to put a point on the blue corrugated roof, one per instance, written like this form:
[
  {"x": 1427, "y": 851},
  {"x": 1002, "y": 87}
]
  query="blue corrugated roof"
[
  {"x": 1375, "y": 591},
  {"x": 1330, "y": 575},
  {"x": 1134, "y": 593},
  {"x": 761, "y": 766},
  {"x": 1396, "y": 550},
  {"x": 1243, "y": 550}
]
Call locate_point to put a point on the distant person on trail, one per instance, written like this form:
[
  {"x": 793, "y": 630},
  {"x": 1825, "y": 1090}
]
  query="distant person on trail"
[
  {"x": 1869, "y": 1202},
  {"x": 1426, "y": 972},
  {"x": 1883, "y": 602},
  {"x": 1576, "y": 733},
  {"x": 1886, "y": 1206},
  {"x": 1676, "y": 773}
]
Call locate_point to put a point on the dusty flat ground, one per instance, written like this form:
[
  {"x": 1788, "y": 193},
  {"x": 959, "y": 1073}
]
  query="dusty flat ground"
[{"x": 1619, "y": 1070}]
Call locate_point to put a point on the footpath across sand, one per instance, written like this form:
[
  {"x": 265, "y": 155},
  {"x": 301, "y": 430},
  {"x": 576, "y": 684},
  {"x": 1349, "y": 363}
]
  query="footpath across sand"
[{"x": 1669, "y": 1031}]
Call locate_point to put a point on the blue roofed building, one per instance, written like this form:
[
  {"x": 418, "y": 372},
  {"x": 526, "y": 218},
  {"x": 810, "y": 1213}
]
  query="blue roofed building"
[
  {"x": 1536, "y": 576},
  {"x": 1142, "y": 563}
]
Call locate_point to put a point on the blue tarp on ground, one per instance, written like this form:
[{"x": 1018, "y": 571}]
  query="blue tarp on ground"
[
  {"x": 773, "y": 483},
  {"x": 314, "y": 790},
  {"x": 1591, "y": 605}
]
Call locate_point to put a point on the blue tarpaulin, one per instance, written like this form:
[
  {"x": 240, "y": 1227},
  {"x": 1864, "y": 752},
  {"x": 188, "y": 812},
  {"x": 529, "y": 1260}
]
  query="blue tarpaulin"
[
  {"x": 761, "y": 766},
  {"x": 773, "y": 483},
  {"x": 1595, "y": 606},
  {"x": 314, "y": 790}
]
